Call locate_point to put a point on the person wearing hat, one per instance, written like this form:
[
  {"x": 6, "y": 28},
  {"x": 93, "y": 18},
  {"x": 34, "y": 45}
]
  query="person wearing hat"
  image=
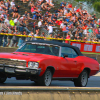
[{"x": 45, "y": 25}]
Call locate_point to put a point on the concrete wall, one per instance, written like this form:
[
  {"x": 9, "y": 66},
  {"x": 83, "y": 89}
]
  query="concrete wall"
[
  {"x": 6, "y": 49},
  {"x": 49, "y": 93}
]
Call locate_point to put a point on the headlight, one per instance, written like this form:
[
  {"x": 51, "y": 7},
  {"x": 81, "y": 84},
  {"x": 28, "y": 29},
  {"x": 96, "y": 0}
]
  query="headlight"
[{"x": 33, "y": 65}]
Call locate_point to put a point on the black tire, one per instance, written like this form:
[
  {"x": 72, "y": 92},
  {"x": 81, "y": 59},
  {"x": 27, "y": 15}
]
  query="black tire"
[
  {"x": 82, "y": 79},
  {"x": 2, "y": 78},
  {"x": 36, "y": 82},
  {"x": 46, "y": 78}
]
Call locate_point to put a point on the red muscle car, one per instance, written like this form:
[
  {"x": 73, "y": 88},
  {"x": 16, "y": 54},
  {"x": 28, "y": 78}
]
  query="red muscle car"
[{"x": 42, "y": 61}]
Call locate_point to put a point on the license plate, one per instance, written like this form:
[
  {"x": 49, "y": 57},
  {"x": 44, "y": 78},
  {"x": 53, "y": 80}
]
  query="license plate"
[{"x": 9, "y": 70}]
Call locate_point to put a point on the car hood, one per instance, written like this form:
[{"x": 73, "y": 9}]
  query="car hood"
[{"x": 25, "y": 56}]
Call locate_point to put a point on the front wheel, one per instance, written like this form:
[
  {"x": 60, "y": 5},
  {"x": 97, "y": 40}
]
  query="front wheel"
[
  {"x": 46, "y": 79},
  {"x": 82, "y": 79}
]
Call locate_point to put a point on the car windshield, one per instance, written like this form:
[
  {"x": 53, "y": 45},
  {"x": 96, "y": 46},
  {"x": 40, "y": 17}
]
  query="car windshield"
[{"x": 41, "y": 48}]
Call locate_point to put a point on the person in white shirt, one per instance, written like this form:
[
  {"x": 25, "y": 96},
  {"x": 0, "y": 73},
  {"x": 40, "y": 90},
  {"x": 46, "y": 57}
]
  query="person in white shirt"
[
  {"x": 62, "y": 25},
  {"x": 85, "y": 32},
  {"x": 6, "y": 21},
  {"x": 50, "y": 2},
  {"x": 12, "y": 3},
  {"x": 65, "y": 11},
  {"x": 50, "y": 29},
  {"x": 40, "y": 23},
  {"x": 16, "y": 20}
]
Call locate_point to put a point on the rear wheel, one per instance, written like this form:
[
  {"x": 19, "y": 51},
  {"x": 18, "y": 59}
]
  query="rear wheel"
[
  {"x": 82, "y": 79},
  {"x": 3, "y": 78},
  {"x": 46, "y": 79}
]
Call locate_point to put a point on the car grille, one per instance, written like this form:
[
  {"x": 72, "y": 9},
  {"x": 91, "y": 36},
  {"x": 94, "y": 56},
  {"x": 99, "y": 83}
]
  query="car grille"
[{"x": 12, "y": 62}]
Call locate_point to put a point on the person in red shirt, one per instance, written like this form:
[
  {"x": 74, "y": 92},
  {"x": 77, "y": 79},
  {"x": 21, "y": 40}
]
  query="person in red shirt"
[
  {"x": 67, "y": 37},
  {"x": 58, "y": 22},
  {"x": 69, "y": 6}
]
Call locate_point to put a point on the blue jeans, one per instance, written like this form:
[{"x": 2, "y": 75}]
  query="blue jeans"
[
  {"x": 5, "y": 42},
  {"x": 20, "y": 28},
  {"x": 27, "y": 29},
  {"x": 20, "y": 42},
  {"x": 1, "y": 41}
]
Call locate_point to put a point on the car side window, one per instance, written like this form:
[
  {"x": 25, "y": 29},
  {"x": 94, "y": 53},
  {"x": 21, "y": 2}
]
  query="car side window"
[{"x": 68, "y": 51}]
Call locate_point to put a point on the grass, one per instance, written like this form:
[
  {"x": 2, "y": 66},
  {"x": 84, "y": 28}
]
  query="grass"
[{"x": 90, "y": 53}]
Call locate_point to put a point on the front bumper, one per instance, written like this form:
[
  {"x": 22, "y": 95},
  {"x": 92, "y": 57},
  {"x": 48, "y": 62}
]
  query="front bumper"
[{"x": 19, "y": 70}]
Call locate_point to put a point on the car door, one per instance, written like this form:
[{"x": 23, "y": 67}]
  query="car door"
[{"x": 69, "y": 64}]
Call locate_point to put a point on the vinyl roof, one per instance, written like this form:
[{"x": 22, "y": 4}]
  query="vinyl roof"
[{"x": 57, "y": 43}]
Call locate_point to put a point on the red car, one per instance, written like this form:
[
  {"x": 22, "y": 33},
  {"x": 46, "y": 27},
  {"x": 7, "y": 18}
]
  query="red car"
[{"x": 41, "y": 61}]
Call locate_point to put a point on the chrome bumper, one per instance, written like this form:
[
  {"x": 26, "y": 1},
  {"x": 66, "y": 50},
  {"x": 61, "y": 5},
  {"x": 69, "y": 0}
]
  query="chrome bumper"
[{"x": 18, "y": 69}]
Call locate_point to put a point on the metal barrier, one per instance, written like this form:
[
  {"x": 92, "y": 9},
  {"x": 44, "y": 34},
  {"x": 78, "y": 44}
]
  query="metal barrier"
[
  {"x": 49, "y": 93},
  {"x": 49, "y": 38}
]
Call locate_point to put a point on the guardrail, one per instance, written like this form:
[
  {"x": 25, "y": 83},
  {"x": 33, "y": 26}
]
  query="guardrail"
[{"x": 49, "y": 93}]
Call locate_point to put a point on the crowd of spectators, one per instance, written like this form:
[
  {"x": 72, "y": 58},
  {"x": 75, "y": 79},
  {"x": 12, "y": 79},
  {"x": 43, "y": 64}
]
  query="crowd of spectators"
[{"x": 68, "y": 21}]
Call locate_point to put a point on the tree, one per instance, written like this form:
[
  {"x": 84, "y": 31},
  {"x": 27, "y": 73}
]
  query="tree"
[
  {"x": 97, "y": 6},
  {"x": 96, "y": 3}
]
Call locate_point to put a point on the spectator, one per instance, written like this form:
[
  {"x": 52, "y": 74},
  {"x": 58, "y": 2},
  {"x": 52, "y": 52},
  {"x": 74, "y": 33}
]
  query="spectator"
[
  {"x": 12, "y": 3},
  {"x": 15, "y": 39},
  {"x": 10, "y": 39},
  {"x": 1, "y": 37},
  {"x": 50, "y": 29},
  {"x": 15, "y": 12},
  {"x": 24, "y": 1},
  {"x": 12, "y": 22},
  {"x": 30, "y": 34},
  {"x": 22, "y": 39},
  {"x": 59, "y": 37},
  {"x": 5, "y": 39},
  {"x": 7, "y": 21},
  {"x": 43, "y": 34},
  {"x": 1, "y": 11},
  {"x": 36, "y": 34},
  {"x": 62, "y": 25},
  {"x": 62, "y": 4},
  {"x": 40, "y": 23},
  {"x": 50, "y": 35},
  {"x": 34, "y": 16},
  {"x": 67, "y": 37}
]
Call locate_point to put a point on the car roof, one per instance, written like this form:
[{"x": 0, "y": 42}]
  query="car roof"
[{"x": 57, "y": 43}]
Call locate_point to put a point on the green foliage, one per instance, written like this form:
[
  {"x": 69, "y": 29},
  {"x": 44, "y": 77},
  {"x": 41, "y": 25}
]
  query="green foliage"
[
  {"x": 79, "y": 0},
  {"x": 96, "y": 3},
  {"x": 92, "y": 1},
  {"x": 97, "y": 6}
]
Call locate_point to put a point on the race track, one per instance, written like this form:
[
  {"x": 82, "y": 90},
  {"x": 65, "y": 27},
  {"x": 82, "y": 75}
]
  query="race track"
[{"x": 93, "y": 81}]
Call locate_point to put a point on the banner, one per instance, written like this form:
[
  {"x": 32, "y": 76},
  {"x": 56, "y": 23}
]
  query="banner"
[{"x": 87, "y": 47}]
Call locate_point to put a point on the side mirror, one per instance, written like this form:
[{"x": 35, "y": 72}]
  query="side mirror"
[{"x": 65, "y": 56}]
